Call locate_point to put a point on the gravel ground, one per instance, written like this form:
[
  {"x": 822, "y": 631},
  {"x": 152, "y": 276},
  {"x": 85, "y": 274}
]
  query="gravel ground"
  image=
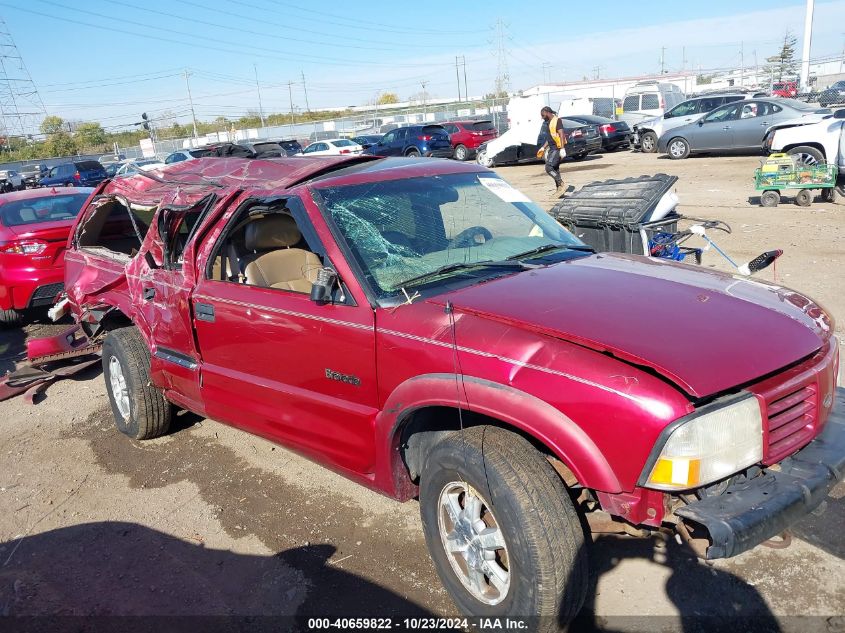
[{"x": 212, "y": 521}]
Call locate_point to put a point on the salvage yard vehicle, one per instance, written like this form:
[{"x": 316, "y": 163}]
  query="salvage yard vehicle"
[
  {"x": 614, "y": 134},
  {"x": 34, "y": 228},
  {"x": 582, "y": 139},
  {"x": 426, "y": 330},
  {"x": 414, "y": 140},
  {"x": 10, "y": 180},
  {"x": 649, "y": 99},
  {"x": 466, "y": 136},
  {"x": 332, "y": 147},
  {"x": 740, "y": 126},
  {"x": 80, "y": 173},
  {"x": 647, "y": 132}
]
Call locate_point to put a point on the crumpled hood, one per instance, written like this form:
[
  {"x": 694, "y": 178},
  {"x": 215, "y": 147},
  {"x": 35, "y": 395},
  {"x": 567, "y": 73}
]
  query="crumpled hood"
[{"x": 704, "y": 330}]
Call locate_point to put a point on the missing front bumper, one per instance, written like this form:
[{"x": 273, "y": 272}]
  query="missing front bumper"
[{"x": 755, "y": 510}]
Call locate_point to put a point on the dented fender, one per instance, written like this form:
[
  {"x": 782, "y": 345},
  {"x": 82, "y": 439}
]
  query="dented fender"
[{"x": 527, "y": 413}]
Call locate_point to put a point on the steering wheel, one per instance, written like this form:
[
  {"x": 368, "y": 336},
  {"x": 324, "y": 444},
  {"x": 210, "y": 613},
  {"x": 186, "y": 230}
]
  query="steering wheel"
[{"x": 469, "y": 237}]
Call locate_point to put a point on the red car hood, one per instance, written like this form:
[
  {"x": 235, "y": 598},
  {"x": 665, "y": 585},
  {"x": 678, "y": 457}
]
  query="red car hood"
[{"x": 704, "y": 330}]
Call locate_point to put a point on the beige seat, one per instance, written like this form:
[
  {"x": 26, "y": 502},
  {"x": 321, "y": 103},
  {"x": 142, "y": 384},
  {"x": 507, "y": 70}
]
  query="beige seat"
[{"x": 273, "y": 263}]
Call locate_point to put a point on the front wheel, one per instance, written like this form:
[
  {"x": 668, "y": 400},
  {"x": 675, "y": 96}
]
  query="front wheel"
[
  {"x": 140, "y": 410},
  {"x": 807, "y": 155},
  {"x": 648, "y": 142},
  {"x": 678, "y": 148},
  {"x": 501, "y": 529},
  {"x": 483, "y": 159},
  {"x": 770, "y": 198}
]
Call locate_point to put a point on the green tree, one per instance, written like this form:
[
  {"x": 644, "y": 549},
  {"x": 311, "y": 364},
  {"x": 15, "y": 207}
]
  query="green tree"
[
  {"x": 60, "y": 144},
  {"x": 784, "y": 65},
  {"x": 386, "y": 98},
  {"x": 52, "y": 124},
  {"x": 90, "y": 134}
]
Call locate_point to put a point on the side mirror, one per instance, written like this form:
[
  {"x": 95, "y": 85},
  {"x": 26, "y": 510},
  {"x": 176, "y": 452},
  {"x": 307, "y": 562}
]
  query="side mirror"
[{"x": 321, "y": 291}]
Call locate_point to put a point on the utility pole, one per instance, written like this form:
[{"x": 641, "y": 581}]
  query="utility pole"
[
  {"x": 547, "y": 65},
  {"x": 741, "y": 63},
  {"x": 596, "y": 72},
  {"x": 756, "y": 69},
  {"x": 307, "y": 107},
  {"x": 290, "y": 94},
  {"x": 258, "y": 89},
  {"x": 466, "y": 88},
  {"x": 808, "y": 40},
  {"x": 424, "y": 99},
  {"x": 458, "y": 77},
  {"x": 191, "y": 101},
  {"x": 662, "y": 60}
]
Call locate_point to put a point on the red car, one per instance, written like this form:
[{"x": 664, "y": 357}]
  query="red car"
[
  {"x": 466, "y": 136},
  {"x": 423, "y": 328},
  {"x": 786, "y": 89},
  {"x": 34, "y": 227}
]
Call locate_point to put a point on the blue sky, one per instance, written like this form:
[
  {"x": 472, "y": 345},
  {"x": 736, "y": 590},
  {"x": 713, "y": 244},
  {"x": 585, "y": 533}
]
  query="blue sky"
[{"x": 108, "y": 60}]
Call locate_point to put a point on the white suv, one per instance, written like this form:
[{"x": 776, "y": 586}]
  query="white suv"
[{"x": 10, "y": 180}]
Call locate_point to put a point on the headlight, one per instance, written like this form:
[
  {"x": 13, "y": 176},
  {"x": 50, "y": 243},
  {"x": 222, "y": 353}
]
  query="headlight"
[{"x": 711, "y": 445}]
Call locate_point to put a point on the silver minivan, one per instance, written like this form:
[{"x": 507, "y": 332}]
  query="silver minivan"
[{"x": 648, "y": 99}]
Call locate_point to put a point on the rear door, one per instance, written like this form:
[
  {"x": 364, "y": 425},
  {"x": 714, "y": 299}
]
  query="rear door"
[
  {"x": 161, "y": 283},
  {"x": 754, "y": 119}
]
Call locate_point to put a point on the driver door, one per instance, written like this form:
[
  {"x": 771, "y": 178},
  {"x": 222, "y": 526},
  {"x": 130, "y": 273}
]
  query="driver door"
[{"x": 716, "y": 130}]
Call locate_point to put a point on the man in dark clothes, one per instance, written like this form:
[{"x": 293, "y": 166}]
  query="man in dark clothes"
[{"x": 555, "y": 137}]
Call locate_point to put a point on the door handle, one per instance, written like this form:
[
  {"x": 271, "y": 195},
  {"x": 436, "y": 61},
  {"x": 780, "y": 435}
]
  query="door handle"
[
  {"x": 149, "y": 294},
  {"x": 764, "y": 124},
  {"x": 204, "y": 312},
  {"x": 727, "y": 127}
]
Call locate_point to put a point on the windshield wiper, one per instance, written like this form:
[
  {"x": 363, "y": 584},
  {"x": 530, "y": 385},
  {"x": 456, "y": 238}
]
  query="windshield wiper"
[
  {"x": 448, "y": 268},
  {"x": 552, "y": 247}
]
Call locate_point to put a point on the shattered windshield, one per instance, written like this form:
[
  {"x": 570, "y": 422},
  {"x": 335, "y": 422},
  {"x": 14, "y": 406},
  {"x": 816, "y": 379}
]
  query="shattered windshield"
[{"x": 400, "y": 230}]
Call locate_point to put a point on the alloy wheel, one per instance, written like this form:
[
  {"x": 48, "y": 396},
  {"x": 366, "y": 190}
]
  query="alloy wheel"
[
  {"x": 474, "y": 543},
  {"x": 119, "y": 389}
]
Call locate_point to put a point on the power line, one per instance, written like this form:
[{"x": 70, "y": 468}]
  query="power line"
[{"x": 238, "y": 50}]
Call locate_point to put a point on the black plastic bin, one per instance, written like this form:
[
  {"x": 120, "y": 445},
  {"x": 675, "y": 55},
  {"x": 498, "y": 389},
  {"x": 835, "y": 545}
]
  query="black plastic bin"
[{"x": 615, "y": 215}]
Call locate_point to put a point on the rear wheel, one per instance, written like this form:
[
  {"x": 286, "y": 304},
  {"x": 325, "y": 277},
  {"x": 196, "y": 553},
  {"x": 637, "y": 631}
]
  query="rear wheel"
[
  {"x": 10, "y": 318},
  {"x": 648, "y": 142},
  {"x": 461, "y": 152},
  {"x": 482, "y": 158},
  {"x": 678, "y": 148},
  {"x": 828, "y": 195},
  {"x": 579, "y": 156},
  {"x": 412, "y": 153},
  {"x": 770, "y": 198},
  {"x": 140, "y": 410},
  {"x": 803, "y": 198},
  {"x": 807, "y": 155},
  {"x": 68, "y": 184},
  {"x": 501, "y": 529}
]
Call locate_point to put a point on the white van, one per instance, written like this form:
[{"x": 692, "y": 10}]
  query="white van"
[{"x": 649, "y": 99}]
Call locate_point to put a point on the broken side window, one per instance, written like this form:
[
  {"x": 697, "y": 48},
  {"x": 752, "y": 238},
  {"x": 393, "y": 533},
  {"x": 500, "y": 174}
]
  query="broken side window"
[
  {"x": 176, "y": 228},
  {"x": 115, "y": 226}
]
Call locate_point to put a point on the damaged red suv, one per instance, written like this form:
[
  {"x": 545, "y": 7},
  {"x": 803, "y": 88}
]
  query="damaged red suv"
[
  {"x": 426, "y": 330},
  {"x": 34, "y": 228}
]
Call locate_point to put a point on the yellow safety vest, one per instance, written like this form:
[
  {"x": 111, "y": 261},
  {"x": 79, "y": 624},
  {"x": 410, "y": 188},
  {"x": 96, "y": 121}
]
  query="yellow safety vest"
[{"x": 559, "y": 139}]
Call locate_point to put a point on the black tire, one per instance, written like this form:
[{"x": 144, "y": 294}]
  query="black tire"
[
  {"x": 770, "y": 198},
  {"x": 461, "y": 152},
  {"x": 149, "y": 412},
  {"x": 828, "y": 195},
  {"x": 804, "y": 198},
  {"x": 413, "y": 153},
  {"x": 648, "y": 142},
  {"x": 10, "y": 318},
  {"x": 678, "y": 148},
  {"x": 68, "y": 184},
  {"x": 579, "y": 156},
  {"x": 545, "y": 554},
  {"x": 807, "y": 155}
]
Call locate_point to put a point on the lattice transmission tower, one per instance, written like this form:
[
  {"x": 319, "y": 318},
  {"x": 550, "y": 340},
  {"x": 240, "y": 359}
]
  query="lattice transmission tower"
[{"x": 21, "y": 108}]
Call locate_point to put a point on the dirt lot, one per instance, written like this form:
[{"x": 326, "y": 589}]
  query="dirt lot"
[{"x": 211, "y": 521}]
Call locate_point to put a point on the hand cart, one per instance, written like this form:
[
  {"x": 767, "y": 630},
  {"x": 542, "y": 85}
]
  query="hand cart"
[{"x": 781, "y": 171}]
